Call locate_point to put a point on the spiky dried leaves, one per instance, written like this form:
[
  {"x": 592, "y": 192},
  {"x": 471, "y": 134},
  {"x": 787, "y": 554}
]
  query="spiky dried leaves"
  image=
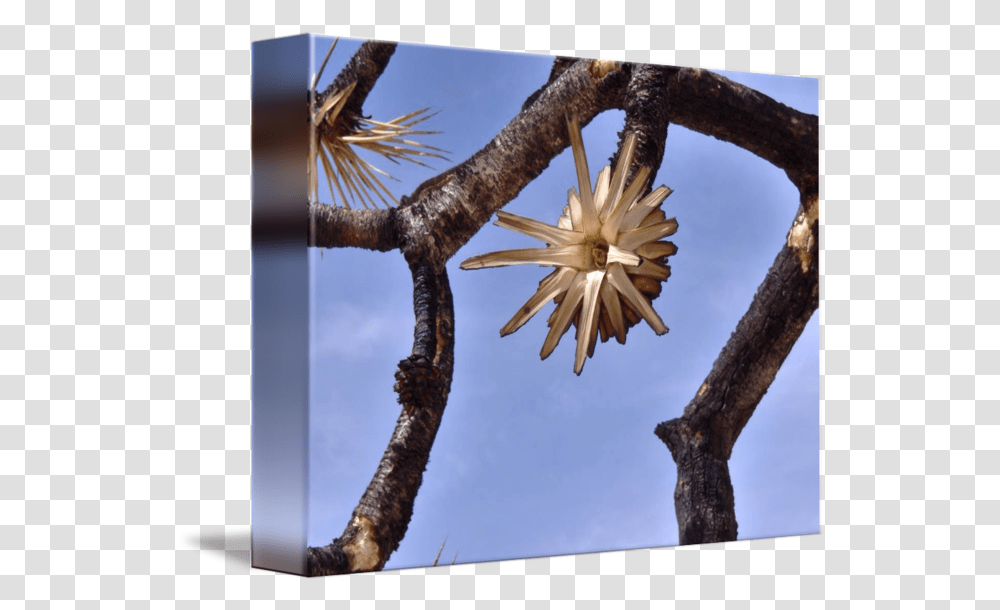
[
  {"x": 336, "y": 136},
  {"x": 607, "y": 252}
]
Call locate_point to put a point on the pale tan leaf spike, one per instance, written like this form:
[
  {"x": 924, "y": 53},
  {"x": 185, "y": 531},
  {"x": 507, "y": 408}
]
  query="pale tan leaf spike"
[
  {"x": 589, "y": 212},
  {"x": 575, "y": 210},
  {"x": 564, "y": 314},
  {"x": 621, "y": 169},
  {"x": 554, "y": 236},
  {"x": 601, "y": 192},
  {"x": 643, "y": 207},
  {"x": 611, "y": 227},
  {"x": 635, "y": 298},
  {"x": 643, "y": 235},
  {"x": 559, "y": 256},
  {"x": 546, "y": 292},
  {"x": 613, "y": 306},
  {"x": 588, "y": 317}
]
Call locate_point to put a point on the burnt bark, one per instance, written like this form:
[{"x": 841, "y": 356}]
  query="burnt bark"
[
  {"x": 364, "y": 68},
  {"x": 716, "y": 106},
  {"x": 382, "y": 516},
  {"x": 336, "y": 227},
  {"x": 443, "y": 213},
  {"x": 647, "y": 107},
  {"x": 702, "y": 439}
]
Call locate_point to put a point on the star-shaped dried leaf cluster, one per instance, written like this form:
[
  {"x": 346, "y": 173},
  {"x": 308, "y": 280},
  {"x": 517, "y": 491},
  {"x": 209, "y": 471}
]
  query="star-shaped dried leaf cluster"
[
  {"x": 607, "y": 251},
  {"x": 336, "y": 135}
]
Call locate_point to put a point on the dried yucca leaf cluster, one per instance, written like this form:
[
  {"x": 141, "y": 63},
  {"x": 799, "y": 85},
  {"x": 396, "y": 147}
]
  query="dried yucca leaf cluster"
[
  {"x": 607, "y": 251},
  {"x": 336, "y": 135}
]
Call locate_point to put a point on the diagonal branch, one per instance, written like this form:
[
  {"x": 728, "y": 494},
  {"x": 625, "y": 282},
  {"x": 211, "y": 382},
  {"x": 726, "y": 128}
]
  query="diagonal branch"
[
  {"x": 701, "y": 440},
  {"x": 558, "y": 67},
  {"x": 445, "y": 212},
  {"x": 383, "y": 514},
  {"x": 364, "y": 68}
]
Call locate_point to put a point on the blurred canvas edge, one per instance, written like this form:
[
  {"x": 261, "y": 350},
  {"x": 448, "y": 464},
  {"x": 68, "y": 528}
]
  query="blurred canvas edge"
[{"x": 280, "y": 302}]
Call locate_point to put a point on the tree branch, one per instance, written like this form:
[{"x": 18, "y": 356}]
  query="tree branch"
[
  {"x": 424, "y": 379},
  {"x": 701, "y": 440},
  {"x": 558, "y": 67},
  {"x": 646, "y": 114},
  {"x": 337, "y": 227},
  {"x": 646, "y": 105},
  {"x": 716, "y": 106},
  {"x": 364, "y": 68},
  {"x": 445, "y": 212}
]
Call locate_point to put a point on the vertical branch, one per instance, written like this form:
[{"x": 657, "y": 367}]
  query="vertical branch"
[
  {"x": 425, "y": 308},
  {"x": 646, "y": 115},
  {"x": 383, "y": 514},
  {"x": 703, "y": 498}
]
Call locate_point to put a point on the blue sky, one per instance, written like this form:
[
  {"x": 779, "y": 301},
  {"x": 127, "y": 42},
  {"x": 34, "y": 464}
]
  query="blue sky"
[{"x": 532, "y": 460}]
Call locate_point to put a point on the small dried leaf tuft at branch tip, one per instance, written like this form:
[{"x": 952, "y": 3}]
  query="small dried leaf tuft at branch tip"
[{"x": 333, "y": 145}]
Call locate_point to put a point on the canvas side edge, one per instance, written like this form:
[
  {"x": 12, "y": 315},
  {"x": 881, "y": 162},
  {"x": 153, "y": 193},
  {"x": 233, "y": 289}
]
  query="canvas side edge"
[{"x": 280, "y": 305}]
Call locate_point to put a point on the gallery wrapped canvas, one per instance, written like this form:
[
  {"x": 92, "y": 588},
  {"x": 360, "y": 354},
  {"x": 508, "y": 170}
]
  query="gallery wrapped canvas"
[{"x": 510, "y": 305}]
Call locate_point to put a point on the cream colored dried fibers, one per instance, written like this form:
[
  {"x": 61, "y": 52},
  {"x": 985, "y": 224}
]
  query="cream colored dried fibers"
[
  {"x": 336, "y": 136},
  {"x": 607, "y": 253}
]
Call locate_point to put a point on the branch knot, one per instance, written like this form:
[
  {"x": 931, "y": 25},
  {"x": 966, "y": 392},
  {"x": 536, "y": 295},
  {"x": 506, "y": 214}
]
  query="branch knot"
[{"x": 418, "y": 382}]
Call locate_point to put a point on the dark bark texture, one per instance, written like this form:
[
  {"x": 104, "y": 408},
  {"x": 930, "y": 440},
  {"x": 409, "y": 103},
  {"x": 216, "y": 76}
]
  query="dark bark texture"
[
  {"x": 443, "y": 214},
  {"x": 423, "y": 381},
  {"x": 701, "y": 440},
  {"x": 716, "y": 106},
  {"x": 364, "y": 68}
]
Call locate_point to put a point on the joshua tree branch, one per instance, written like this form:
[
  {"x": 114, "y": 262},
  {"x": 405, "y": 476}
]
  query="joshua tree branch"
[
  {"x": 364, "y": 68},
  {"x": 423, "y": 381},
  {"x": 445, "y": 212},
  {"x": 716, "y": 106},
  {"x": 558, "y": 67},
  {"x": 336, "y": 227},
  {"x": 646, "y": 114},
  {"x": 702, "y": 439}
]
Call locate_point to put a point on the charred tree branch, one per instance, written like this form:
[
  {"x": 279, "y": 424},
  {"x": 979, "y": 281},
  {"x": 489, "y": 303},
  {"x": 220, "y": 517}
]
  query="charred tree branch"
[
  {"x": 646, "y": 115},
  {"x": 558, "y": 67},
  {"x": 701, "y": 440},
  {"x": 445, "y": 212},
  {"x": 425, "y": 308},
  {"x": 364, "y": 68},
  {"x": 382, "y": 517},
  {"x": 337, "y": 227},
  {"x": 718, "y": 107}
]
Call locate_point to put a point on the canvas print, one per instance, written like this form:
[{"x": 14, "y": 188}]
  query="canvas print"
[{"x": 538, "y": 306}]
